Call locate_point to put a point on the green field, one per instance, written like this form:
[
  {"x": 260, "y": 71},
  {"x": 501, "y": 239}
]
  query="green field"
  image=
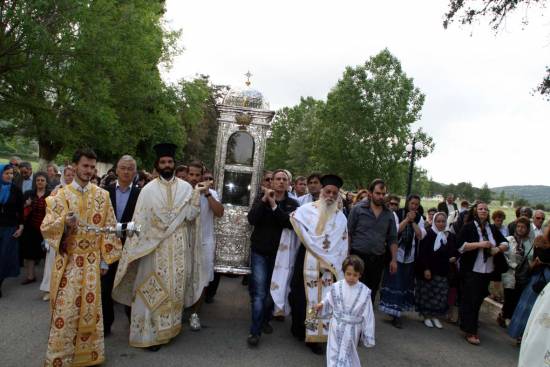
[{"x": 510, "y": 212}]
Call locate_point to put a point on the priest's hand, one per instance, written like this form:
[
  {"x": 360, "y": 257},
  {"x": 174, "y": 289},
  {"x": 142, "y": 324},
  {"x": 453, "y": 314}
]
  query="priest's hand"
[
  {"x": 318, "y": 307},
  {"x": 71, "y": 222},
  {"x": 393, "y": 267}
]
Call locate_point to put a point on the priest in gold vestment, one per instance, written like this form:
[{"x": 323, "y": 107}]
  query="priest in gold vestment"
[
  {"x": 159, "y": 271},
  {"x": 76, "y": 331}
]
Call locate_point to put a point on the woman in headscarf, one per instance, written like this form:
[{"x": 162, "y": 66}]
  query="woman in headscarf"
[
  {"x": 479, "y": 243},
  {"x": 435, "y": 252},
  {"x": 11, "y": 224},
  {"x": 35, "y": 211}
]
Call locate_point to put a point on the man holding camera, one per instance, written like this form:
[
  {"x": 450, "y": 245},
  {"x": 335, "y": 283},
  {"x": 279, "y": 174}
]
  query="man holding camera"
[{"x": 269, "y": 215}]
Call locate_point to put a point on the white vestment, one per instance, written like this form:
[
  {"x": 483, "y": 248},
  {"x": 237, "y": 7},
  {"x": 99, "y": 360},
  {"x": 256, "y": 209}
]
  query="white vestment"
[
  {"x": 325, "y": 253},
  {"x": 159, "y": 272},
  {"x": 282, "y": 272},
  {"x": 535, "y": 345},
  {"x": 208, "y": 238},
  {"x": 352, "y": 320}
]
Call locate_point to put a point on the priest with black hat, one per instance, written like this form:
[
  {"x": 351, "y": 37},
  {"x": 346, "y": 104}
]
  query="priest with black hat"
[
  {"x": 321, "y": 227},
  {"x": 159, "y": 271}
]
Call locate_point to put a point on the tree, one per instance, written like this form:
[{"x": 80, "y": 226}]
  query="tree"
[
  {"x": 540, "y": 206},
  {"x": 468, "y": 11},
  {"x": 521, "y": 202},
  {"x": 198, "y": 116},
  {"x": 95, "y": 76},
  {"x": 292, "y": 141},
  {"x": 501, "y": 198},
  {"x": 366, "y": 123},
  {"x": 485, "y": 194}
]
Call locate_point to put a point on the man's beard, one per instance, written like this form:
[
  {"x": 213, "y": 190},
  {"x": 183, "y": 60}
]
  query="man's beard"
[
  {"x": 326, "y": 211},
  {"x": 167, "y": 173}
]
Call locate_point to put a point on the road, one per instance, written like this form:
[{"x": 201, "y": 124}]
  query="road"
[{"x": 24, "y": 325}]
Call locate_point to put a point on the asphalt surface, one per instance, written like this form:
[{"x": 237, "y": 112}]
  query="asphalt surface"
[{"x": 24, "y": 326}]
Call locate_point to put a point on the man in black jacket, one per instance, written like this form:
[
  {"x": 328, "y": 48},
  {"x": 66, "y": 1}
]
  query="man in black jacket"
[
  {"x": 448, "y": 205},
  {"x": 269, "y": 215},
  {"x": 124, "y": 194}
]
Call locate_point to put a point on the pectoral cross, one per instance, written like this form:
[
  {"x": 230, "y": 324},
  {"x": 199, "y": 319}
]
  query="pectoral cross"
[{"x": 326, "y": 243}]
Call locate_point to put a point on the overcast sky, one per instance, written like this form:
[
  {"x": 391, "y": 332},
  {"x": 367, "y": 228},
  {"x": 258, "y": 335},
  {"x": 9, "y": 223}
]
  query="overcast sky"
[{"x": 480, "y": 109}]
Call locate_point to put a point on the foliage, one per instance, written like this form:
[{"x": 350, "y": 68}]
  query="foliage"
[
  {"x": 540, "y": 206},
  {"x": 501, "y": 198},
  {"x": 521, "y": 202},
  {"x": 198, "y": 116},
  {"x": 91, "y": 71},
  {"x": 485, "y": 194},
  {"x": 360, "y": 132},
  {"x": 468, "y": 11}
]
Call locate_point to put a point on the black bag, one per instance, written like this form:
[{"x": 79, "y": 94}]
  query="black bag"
[
  {"x": 501, "y": 265},
  {"x": 522, "y": 271},
  {"x": 541, "y": 282}
]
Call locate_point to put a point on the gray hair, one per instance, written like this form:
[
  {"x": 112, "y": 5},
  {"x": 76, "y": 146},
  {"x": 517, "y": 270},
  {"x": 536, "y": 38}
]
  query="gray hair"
[
  {"x": 25, "y": 165},
  {"x": 538, "y": 211},
  {"x": 126, "y": 158}
]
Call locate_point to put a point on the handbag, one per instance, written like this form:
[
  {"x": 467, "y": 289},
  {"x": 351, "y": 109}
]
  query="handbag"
[
  {"x": 539, "y": 285},
  {"x": 522, "y": 271},
  {"x": 501, "y": 265}
]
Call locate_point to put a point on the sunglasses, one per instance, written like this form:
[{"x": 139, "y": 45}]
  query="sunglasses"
[
  {"x": 268, "y": 179},
  {"x": 209, "y": 178},
  {"x": 394, "y": 204},
  {"x": 539, "y": 218}
]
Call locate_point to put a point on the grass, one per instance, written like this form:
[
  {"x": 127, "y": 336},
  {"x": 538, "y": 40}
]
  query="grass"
[{"x": 494, "y": 205}]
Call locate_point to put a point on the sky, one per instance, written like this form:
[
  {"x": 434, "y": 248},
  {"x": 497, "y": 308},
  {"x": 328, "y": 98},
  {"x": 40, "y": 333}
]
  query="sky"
[{"x": 487, "y": 123}]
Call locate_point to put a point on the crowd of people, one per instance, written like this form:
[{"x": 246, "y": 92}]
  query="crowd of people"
[{"x": 320, "y": 256}]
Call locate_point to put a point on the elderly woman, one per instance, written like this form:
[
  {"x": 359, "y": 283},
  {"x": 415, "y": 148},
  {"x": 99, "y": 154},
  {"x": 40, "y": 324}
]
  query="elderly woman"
[
  {"x": 435, "y": 252},
  {"x": 11, "y": 224},
  {"x": 519, "y": 256},
  {"x": 479, "y": 243},
  {"x": 35, "y": 211},
  {"x": 539, "y": 277}
]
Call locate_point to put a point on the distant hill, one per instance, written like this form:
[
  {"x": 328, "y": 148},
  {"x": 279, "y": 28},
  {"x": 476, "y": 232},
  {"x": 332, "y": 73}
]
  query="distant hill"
[{"x": 535, "y": 194}]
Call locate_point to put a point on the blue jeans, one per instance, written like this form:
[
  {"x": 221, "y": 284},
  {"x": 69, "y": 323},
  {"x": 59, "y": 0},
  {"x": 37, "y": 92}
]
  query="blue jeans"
[{"x": 261, "y": 303}]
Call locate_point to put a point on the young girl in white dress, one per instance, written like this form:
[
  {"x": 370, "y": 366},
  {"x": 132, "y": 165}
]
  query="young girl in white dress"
[{"x": 352, "y": 319}]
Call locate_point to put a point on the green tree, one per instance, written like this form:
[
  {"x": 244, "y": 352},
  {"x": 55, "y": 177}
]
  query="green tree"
[
  {"x": 485, "y": 194},
  {"x": 95, "y": 81},
  {"x": 366, "y": 123},
  {"x": 501, "y": 198},
  {"x": 521, "y": 202}
]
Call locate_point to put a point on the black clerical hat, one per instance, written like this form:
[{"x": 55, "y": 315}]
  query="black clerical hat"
[
  {"x": 332, "y": 180},
  {"x": 165, "y": 150}
]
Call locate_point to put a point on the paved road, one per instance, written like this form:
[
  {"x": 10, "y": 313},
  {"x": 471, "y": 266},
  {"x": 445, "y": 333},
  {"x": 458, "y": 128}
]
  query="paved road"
[{"x": 24, "y": 326}]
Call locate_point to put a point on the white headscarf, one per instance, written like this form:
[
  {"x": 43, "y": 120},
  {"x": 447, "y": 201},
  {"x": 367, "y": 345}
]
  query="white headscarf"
[{"x": 441, "y": 235}]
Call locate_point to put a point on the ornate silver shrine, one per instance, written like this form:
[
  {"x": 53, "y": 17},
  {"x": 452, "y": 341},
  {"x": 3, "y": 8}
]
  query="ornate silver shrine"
[{"x": 244, "y": 122}]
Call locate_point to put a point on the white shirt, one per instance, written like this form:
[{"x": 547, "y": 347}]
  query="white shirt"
[
  {"x": 401, "y": 251},
  {"x": 450, "y": 208},
  {"x": 536, "y": 231},
  {"x": 304, "y": 199},
  {"x": 79, "y": 188},
  {"x": 207, "y": 218}
]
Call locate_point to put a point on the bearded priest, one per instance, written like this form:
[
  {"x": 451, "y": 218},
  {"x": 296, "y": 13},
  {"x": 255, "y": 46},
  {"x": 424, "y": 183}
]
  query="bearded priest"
[
  {"x": 321, "y": 227},
  {"x": 159, "y": 271}
]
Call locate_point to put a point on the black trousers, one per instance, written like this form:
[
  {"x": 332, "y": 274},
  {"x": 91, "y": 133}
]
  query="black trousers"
[
  {"x": 107, "y": 303},
  {"x": 475, "y": 287},
  {"x": 297, "y": 296},
  {"x": 212, "y": 287},
  {"x": 511, "y": 299},
  {"x": 374, "y": 267}
]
